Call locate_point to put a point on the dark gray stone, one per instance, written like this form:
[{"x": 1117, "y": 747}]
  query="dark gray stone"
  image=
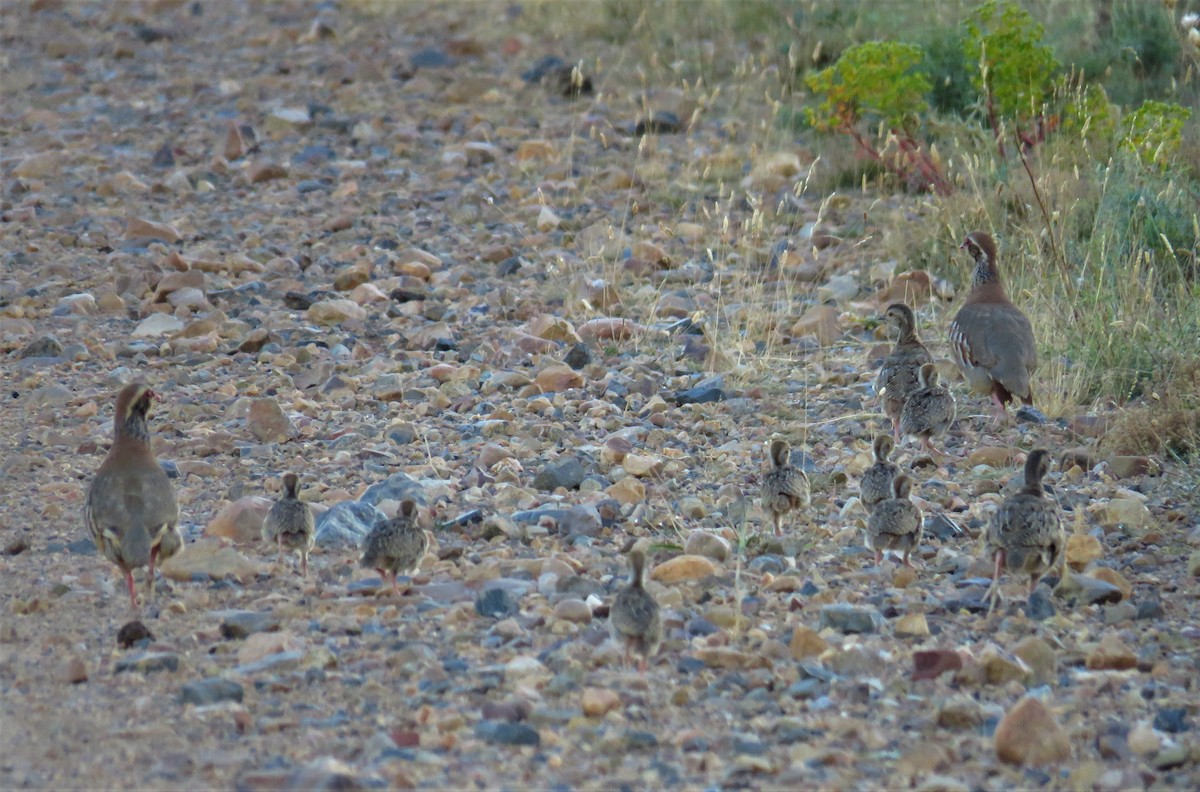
[
  {"x": 1172, "y": 720},
  {"x": 701, "y": 394},
  {"x": 505, "y": 733},
  {"x": 1030, "y": 414},
  {"x": 346, "y": 524},
  {"x": 497, "y": 603},
  {"x": 280, "y": 661},
  {"x": 578, "y": 357},
  {"x": 148, "y": 662},
  {"x": 566, "y": 472},
  {"x": 210, "y": 691},
  {"x": 942, "y": 527},
  {"x": 239, "y": 624},
  {"x": 580, "y": 520},
  {"x": 45, "y": 347},
  {"x": 396, "y": 487},
  {"x": 851, "y": 618},
  {"x": 1039, "y": 607}
]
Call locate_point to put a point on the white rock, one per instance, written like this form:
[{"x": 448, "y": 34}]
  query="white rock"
[{"x": 156, "y": 325}]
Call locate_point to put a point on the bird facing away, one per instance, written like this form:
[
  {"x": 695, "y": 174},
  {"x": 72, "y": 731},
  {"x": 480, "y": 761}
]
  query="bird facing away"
[
  {"x": 131, "y": 510},
  {"x": 898, "y": 376},
  {"x": 991, "y": 340},
  {"x": 634, "y": 619},
  {"x": 876, "y": 482},
  {"x": 397, "y": 545},
  {"x": 289, "y": 524},
  {"x": 784, "y": 488},
  {"x": 1025, "y": 536},
  {"x": 895, "y": 524},
  {"x": 929, "y": 411}
]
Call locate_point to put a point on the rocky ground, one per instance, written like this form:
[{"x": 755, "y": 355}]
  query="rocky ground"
[{"x": 409, "y": 256}]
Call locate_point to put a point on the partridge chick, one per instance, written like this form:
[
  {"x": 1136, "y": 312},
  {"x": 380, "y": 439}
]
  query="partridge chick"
[
  {"x": 929, "y": 410},
  {"x": 895, "y": 524},
  {"x": 634, "y": 618},
  {"x": 1026, "y": 535},
  {"x": 290, "y": 524},
  {"x": 396, "y": 545},
  {"x": 898, "y": 376},
  {"x": 131, "y": 510},
  {"x": 876, "y": 482},
  {"x": 784, "y": 488},
  {"x": 991, "y": 340}
]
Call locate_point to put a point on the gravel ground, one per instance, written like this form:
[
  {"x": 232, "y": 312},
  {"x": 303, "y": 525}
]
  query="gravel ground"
[{"x": 380, "y": 256}]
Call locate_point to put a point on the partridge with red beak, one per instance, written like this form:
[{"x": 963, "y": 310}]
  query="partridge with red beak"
[
  {"x": 131, "y": 510},
  {"x": 991, "y": 340}
]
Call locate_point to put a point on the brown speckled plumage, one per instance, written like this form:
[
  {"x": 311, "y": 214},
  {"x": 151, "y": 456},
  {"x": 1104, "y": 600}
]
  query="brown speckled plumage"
[
  {"x": 634, "y": 619},
  {"x": 1025, "y": 536},
  {"x": 397, "y": 545},
  {"x": 784, "y": 488},
  {"x": 929, "y": 411},
  {"x": 876, "y": 484},
  {"x": 289, "y": 525},
  {"x": 131, "y": 511},
  {"x": 895, "y": 523},
  {"x": 991, "y": 340},
  {"x": 897, "y": 377}
]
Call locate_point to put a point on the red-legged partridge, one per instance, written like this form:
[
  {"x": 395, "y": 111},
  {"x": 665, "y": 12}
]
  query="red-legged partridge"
[
  {"x": 1025, "y": 536},
  {"x": 131, "y": 510},
  {"x": 289, "y": 525},
  {"x": 785, "y": 487},
  {"x": 929, "y": 411},
  {"x": 397, "y": 545},
  {"x": 876, "y": 484},
  {"x": 991, "y": 340},
  {"x": 898, "y": 376},
  {"x": 634, "y": 619},
  {"x": 895, "y": 523}
]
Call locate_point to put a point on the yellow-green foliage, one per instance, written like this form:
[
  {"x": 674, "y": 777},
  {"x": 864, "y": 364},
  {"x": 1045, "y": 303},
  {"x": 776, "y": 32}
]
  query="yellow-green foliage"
[
  {"x": 1014, "y": 66},
  {"x": 878, "y": 78},
  {"x": 1154, "y": 132}
]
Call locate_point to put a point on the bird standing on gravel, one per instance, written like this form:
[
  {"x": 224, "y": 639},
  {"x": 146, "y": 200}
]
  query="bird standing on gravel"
[
  {"x": 991, "y": 340},
  {"x": 895, "y": 524},
  {"x": 898, "y": 376},
  {"x": 131, "y": 510},
  {"x": 634, "y": 618},
  {"x": 1026, "y": 535},
  {"x": 876, "y": 484},
  {"x": 929, "y": 411},
  {"x": 290, "y": 524},
  {"x": 784, "y": 488},
  {"x": 397, "y": 545}
]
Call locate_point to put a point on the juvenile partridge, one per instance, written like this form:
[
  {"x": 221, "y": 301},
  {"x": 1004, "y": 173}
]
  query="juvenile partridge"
[
  {"x": 898, "y": 376},
  {"x": 876, "y": 482},
  {"x": 1026, "y": 535},
  {"x": 290, "y": 524},
  {"x": 396, "y": 545},
  {"x": 131, "y": 510},
  {"x": 895, "y": 523},
  {"x": 634, "y": 618},
  {"x": 991, "y": 340},
  {"x": 929, "y": 411},
  {"x": 784, "y": 488}
]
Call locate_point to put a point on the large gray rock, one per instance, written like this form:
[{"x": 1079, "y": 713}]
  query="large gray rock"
[
  {"x": 396, "y": 487},
  {"x": 346, "y": 524}
]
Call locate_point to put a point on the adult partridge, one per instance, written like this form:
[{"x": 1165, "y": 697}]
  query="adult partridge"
[
  {"x": 396, "y": 545},
  {"x": 634, "y": 619},
  {"x": 898, "y": 376},
  {"x": 131, "y": 510},
  {"x": 289, "y": 524},
  {"x": 929, "y": 410},
  {"x": 991, "y": 340},
  {"x": 1025, "y": 536},
  {"x": 876, "y": 484},
  {"x": 785, "y": 487},
  {"x": 896, "y": 523}
]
